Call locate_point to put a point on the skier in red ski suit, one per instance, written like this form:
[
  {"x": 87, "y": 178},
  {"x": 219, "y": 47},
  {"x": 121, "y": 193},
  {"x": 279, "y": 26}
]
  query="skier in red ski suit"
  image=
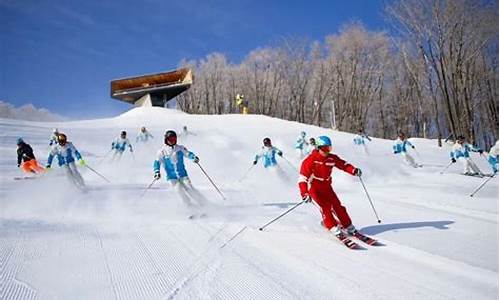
[{"x": 316, "y": 171}]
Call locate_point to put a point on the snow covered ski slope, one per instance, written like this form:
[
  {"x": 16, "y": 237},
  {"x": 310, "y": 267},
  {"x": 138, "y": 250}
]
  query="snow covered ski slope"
[{"x": 57, "y": 242}]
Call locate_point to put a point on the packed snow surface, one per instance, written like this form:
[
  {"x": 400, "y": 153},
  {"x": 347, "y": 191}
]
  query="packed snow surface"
[{"x": 57, "y": 242}]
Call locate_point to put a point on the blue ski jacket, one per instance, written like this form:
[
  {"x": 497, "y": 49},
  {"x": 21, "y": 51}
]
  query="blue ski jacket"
[
  {"x": 268, "y": 155},
  {"x": 65, "y": 154},
  {"x": 172, "y": 158},
  {"x": 400, "y": 146}
]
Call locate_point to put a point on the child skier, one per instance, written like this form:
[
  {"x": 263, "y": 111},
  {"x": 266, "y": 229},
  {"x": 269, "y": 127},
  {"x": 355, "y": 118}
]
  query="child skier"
[
  {"x": 493, "y": 158},
  {"x": 315, "y": 182},
  {"x": 400, "y": 145},
  {"x": 310, "y": 146},
  {"x": 64, "y": 151},
  {"x": 53, "y": 137},
  {"x": 119, "y": 145},
  {"x": 460, "y": 151},
  {"x": 186, "y": 132},
  {"x": 359, "y": 140},
  {"x": 301, "y": 143},
  {"x": 171, "y": 155},
  {"x": 26, "y": 159},
  {"x": 143, "y": 136},
  {"x": 268, "y": 154}
]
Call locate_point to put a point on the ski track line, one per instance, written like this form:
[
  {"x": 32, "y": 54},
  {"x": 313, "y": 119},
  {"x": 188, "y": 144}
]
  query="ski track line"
[
  {"x": 244, "y": 286},
  {"x": 482, "y": 216},
  {"x": 351, "y": 279},
  {"x": 10, "y": 267},
  {"x": 197, "y": 266},
  {"x": 478, "y": 277},
  {"x": 106, "y": 262}
]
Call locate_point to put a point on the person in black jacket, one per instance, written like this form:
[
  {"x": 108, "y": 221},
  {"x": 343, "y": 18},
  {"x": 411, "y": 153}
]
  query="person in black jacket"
[{"x": 26, "y": 159}]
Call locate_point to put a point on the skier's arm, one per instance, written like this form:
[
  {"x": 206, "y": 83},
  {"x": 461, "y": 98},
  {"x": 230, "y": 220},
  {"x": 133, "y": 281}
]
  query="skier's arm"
[
  {"x": 367, "y": 137},
  {"x": 395, "y": 148},
  {"x": 19, "y": 157},
  {"x": 52, "y": 153},
  {"x": 343, "y": 165},
  {"x": 474, "y": 149},
  {"x": 278, "y": 151},
  {"x": 304, "y": 175},
  {"x": 77, "y": 153},
  {"x": 189, "y": 154},
  {"x": 452, "y": 155}
]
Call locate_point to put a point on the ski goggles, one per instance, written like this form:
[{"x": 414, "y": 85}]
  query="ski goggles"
[
  {"x": 326, "y": 149},
  {"x": 171, "y": 140}
]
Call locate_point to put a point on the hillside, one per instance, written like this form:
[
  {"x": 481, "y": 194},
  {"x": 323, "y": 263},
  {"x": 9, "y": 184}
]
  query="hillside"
[{"x": 109, "y": 243}]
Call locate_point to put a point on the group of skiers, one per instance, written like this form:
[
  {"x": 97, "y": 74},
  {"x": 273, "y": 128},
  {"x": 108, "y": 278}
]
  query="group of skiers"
[{"x": 315, "y": 175}]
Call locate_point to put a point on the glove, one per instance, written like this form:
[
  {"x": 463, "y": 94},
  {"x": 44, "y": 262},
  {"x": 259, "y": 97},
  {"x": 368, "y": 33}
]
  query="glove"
[
  {"x": 306, "y": 198},
  {"x": 47, "y": 168},
  {"x": 395, "y": 152},
  {"x": 480, "y": 151},
  {"x": 413, "y": 147},
  {"x": 196, "y": 159},
  {"x": 357, "y": 172},
  {"x": 157, "y": 175},
  {"x": 81, "y": 162},
  {"x": 453, "y": 160},
  {"x": 254, "y": 162},
  {"x": 280, "y": 153},
  {"x": 18, "y": 165}
]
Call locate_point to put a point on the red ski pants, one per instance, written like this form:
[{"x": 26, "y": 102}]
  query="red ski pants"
[
  {"x": 31, "y": 166},
  {"x": 323, "y": 194}
]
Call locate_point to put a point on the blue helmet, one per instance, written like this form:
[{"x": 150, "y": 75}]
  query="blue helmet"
[
  {"x": 19, "y": 141},
  {"x": 323, "y": 141}
]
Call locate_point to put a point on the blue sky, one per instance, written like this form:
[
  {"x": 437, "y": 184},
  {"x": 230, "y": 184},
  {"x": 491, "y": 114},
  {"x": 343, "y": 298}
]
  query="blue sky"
[{"x": 61, "y": 55}]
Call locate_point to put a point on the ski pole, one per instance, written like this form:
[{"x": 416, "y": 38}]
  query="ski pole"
[
  {"x": 223, "y": 198},
  {"x": 446, "y": 168},
  {"x": 149, "y": 186},
  {"x": 367, "y": 195},
  {"x": 100, "y": 175},
  {"x": 104, "y": 157},
  {"x": 278, "y": 217},
  {"x": 246, "y": 173},
  {"x": 289, "y": 163},
  {"x": 482, "y": 184}
]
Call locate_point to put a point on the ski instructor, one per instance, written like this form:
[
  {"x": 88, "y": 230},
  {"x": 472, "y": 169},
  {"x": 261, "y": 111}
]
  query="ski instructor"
[{"x": 315, "y": 182}]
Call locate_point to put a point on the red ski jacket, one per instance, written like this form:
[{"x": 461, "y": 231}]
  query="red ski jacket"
[{"x": 317, "y": 167}]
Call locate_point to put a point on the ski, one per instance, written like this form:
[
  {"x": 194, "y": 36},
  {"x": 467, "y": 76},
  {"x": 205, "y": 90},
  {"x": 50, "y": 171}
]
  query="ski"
[
  {"x": 347, "y": 241},
  {"x": 365, "y": 239},
  {"x": 474, "y": 175},
  {"x": 24, "y": 178}
]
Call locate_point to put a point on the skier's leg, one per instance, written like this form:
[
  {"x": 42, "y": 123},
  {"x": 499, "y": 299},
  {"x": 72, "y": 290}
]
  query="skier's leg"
[
  {"x": 366, "y": 149},
  {"x": 69, "y": 175},
  {"x": 77, "y": 175},
  {"x": 37, "y": 167},
  {"x": 465, "y": 163},
  {"x": 474, "y": 167},
  {"x": 26, "y": 167},
  {"x": 325, "y": 207},
  {"x": 181, "y": 190},
  {"x": 410, "y": 160},
  {"x": 339, "y": 210}
]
